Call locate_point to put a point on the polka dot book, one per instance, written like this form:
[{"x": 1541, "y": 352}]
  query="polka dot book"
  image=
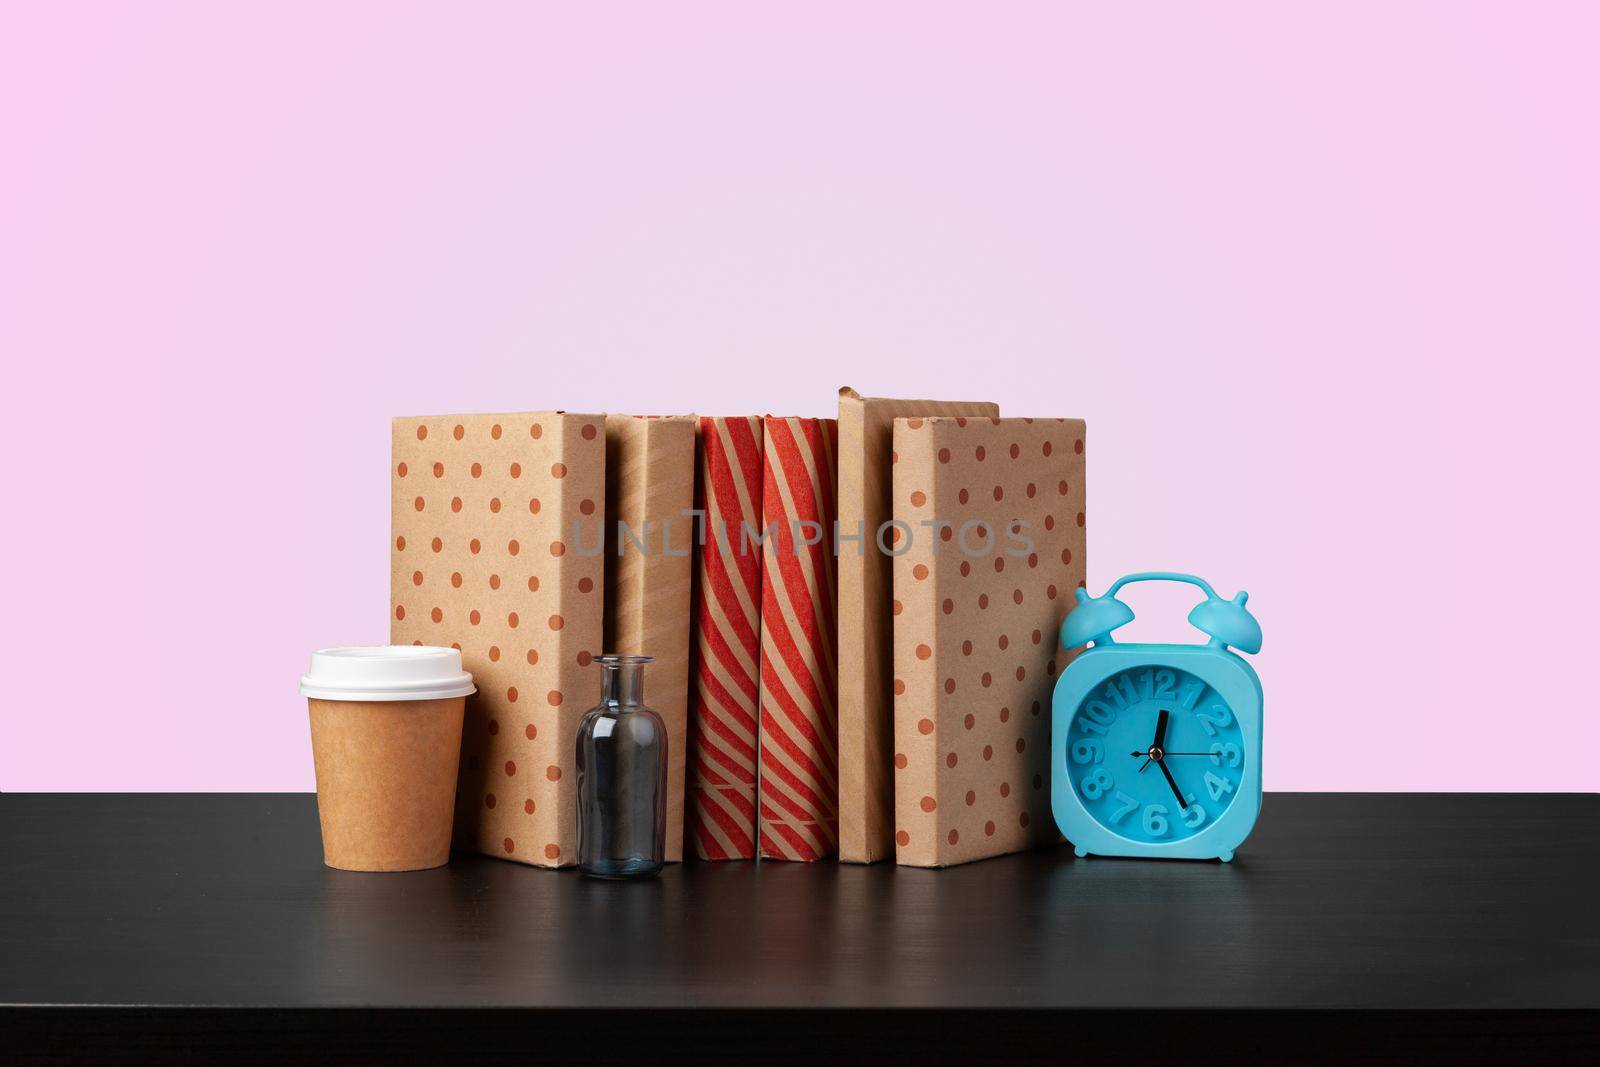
[
  {"x": 993, "y": 510},
  {"x": 495, "y": 551}
]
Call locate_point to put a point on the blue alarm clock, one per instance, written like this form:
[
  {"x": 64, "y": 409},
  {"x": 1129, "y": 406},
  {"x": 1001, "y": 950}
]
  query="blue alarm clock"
[{"x": 1156, "y": 749}]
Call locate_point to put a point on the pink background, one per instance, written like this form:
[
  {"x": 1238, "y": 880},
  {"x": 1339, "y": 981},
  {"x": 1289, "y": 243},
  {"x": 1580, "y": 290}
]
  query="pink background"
[{"x": 1323, "y": 281}]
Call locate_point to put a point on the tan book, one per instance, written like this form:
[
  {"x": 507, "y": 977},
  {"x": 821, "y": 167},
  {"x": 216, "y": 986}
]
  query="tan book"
[
  {"x": 866, "y": 726},
  {"x": 650, "y": 530},
  {"x": 497, "y": 550},
  {"x": 994, "y": 513}
]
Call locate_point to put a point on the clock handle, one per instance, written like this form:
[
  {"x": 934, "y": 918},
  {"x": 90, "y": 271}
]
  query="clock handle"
[
  {"x": 1225, "y": 622},
  {"x": 1164, "y": 576}
]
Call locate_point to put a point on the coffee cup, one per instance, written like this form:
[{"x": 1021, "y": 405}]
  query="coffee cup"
[{"x": 386, "y": 739}]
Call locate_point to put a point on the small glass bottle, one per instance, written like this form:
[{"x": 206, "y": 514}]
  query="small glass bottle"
[{"x": 622, "y": 777}]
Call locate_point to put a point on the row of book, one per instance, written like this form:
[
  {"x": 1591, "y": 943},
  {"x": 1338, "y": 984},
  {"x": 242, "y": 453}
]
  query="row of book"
[{"x": 854, "y": 620}]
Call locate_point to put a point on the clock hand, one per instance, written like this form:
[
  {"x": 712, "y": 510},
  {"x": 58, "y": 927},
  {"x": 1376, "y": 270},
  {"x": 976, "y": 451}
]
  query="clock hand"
[
  {"x": 1165, "y": 754},
  {"x": 1182, "y": 804},
  {"x": 1155, "y": 746}
]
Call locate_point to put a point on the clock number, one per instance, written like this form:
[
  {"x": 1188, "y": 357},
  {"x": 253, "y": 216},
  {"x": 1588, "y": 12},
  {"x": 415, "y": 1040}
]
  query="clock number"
[
  {"x": 1213, "y": 717},
  {"x": 1130, "y": 694},
  {"x": 1194, "y": 814},
  {"x": 1155, "y": 820},
  {"x": 1114, "y": 694},
  {"x": 1165, "y": 680},
  {"x": 1225, "y": 751},
  {"x": 1191, "y": 695},
  {"x": 1129, "y": 805},
  {"x": 1089, "y": 726},
  {"x": 1097, "y": 783},
  {"x": 1100, "y": 712},
  {"x": 1088, "y": 751},
  {"x": 1217, "y": 785}
]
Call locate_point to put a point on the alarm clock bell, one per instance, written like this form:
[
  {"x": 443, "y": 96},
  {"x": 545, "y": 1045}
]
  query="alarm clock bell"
[{"x": 1226, "y": 622}]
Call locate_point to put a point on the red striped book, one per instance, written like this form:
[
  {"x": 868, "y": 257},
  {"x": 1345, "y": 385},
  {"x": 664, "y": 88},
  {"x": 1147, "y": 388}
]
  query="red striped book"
[
  {"x": 799, "y": 781},
  {"x": 727, "y": 629}
]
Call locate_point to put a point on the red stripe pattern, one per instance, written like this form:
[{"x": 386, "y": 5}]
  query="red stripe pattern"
[
  {"x": 799, "y": 780},
  {"x": 722, "y": 717}
]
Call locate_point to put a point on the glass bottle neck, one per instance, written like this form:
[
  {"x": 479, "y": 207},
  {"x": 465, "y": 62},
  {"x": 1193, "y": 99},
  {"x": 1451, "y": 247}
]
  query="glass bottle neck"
[{"x": 622, "y": 684}]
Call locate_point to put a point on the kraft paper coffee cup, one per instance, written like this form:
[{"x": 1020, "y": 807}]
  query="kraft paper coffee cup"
[{"x": 386, "y": 736}]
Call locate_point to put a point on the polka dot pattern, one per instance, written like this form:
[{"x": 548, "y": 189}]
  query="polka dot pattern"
[
  {"x": 463, "y": 575},
  {"x": 978, "y": 628}
]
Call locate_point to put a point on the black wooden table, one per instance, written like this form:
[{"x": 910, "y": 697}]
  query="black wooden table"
[{"x": 1350, "y": 926}]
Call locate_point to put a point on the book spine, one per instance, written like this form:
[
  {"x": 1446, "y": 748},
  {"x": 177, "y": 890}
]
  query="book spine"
[
  {"x": 864, "y": 789},
  {"x": 799, "y": 787},
  {"x": 917, "y": 653},
  {"x": 650, "y": 474},
  {"x": 724, "y": 702}
]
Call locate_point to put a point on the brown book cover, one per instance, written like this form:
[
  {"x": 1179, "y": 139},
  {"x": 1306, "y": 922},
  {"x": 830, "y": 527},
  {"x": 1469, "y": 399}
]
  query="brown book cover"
[
  {"x": 994, "y": 513},
  {"x": 650, "y": 466},
  {"x": 497, "y": 546},
  {"x": 866, "y": 702}
]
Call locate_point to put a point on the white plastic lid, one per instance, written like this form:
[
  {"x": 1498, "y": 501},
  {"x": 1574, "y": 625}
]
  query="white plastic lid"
[{"x": 386, "y": 672}]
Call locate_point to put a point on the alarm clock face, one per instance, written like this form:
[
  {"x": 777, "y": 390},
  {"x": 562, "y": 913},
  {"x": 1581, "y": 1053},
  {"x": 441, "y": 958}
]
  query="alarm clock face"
[{"x": 1154, "y": 754}]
